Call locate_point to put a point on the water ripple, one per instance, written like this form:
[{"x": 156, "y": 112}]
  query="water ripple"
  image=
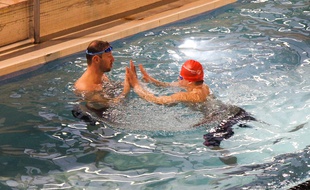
[{"x": 255, "y": 55}]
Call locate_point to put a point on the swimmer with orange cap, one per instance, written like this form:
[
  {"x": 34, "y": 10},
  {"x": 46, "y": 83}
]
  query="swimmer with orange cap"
[{"x": 190, "y": 78}]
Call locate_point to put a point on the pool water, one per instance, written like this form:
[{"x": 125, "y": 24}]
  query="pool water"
[{"x": 255, "y": 55}]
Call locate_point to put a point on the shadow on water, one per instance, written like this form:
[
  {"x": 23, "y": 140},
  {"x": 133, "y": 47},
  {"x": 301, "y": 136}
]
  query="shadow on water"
[{"x": 286, "y": 170}]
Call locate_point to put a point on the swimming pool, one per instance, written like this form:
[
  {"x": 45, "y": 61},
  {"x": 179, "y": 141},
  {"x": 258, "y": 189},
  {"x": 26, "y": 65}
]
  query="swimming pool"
[{"x": 256, "y": 55}]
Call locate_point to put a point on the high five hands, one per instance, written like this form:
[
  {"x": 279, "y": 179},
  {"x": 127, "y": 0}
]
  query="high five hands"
[{"x": 131, "y": 74}]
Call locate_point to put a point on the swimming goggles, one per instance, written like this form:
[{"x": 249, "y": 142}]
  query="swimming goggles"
[
  {"x": 109, "y": 49},
  {"x": 180, "y": 77}
]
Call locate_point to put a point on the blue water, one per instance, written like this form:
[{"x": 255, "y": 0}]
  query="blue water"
[{"x": 255, "y": 55}]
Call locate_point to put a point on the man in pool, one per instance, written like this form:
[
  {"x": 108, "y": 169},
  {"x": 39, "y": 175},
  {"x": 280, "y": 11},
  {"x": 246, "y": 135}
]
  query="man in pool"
[
  {"x": 94, "y": 87},
  {"x": 99, "y": 61},
  {"x": 197, "y": 95}
]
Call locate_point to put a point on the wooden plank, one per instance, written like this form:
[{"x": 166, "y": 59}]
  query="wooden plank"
[
  {"x": 14, "y": 23},
  {"x": 60, "y": 15}
]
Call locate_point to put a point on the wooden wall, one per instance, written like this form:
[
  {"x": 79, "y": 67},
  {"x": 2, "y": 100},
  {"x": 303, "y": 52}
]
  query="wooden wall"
[
  {"x": 16, "y": 20},
  {"x": 59, "y": 15}
]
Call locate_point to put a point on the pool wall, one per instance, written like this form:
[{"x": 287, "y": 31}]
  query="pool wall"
[
  {"x": 67, "y": 27},
  {"x": 60, "y": 16}
]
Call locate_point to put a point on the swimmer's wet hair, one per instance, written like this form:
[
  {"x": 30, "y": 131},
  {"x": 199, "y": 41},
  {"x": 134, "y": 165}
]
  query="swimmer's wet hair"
[{"x": 198, "y": 82}]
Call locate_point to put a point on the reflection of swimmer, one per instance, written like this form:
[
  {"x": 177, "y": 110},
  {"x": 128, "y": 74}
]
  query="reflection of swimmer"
[
  {"x": 196, "y": 94},
  {"x": 88, "y": 114},
  {"x": 91, "y": 113}
]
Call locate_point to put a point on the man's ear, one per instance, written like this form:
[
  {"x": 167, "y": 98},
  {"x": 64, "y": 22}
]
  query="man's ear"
[{"x": 95, "y": 59}]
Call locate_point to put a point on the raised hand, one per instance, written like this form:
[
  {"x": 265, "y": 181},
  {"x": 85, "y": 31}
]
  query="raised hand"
[
  {"x": 126, "y": 84},
  {"x": 133, "y": 67},
  {"x": 132, "y": 76},
  {"x": 145, "y": 76}
]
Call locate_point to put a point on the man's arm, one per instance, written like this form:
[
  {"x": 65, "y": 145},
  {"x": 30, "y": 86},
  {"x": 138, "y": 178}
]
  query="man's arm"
[{"x": 126, "y": 90}]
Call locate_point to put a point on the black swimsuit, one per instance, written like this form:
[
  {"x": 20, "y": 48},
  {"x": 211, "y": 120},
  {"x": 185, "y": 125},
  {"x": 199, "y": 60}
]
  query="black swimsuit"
[
  {"x": 224, "y": 129},
  {"x": 225, "y": 116}
]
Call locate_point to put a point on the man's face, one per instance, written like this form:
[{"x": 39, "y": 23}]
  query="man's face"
[{"x": 106, "y": 62}]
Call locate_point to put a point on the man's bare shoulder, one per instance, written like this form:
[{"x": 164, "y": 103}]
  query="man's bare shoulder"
[{"x": 81, "y": 85}]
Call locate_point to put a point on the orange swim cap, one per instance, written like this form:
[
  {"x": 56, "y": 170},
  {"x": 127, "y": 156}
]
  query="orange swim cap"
[{"x": 192, "y": 71}]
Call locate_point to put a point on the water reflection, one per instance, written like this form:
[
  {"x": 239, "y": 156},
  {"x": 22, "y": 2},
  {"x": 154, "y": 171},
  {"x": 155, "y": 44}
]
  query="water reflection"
[{"x": 256, "y": 56}]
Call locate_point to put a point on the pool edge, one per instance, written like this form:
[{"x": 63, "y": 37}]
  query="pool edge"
[{"x": 13, "y": 66}]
